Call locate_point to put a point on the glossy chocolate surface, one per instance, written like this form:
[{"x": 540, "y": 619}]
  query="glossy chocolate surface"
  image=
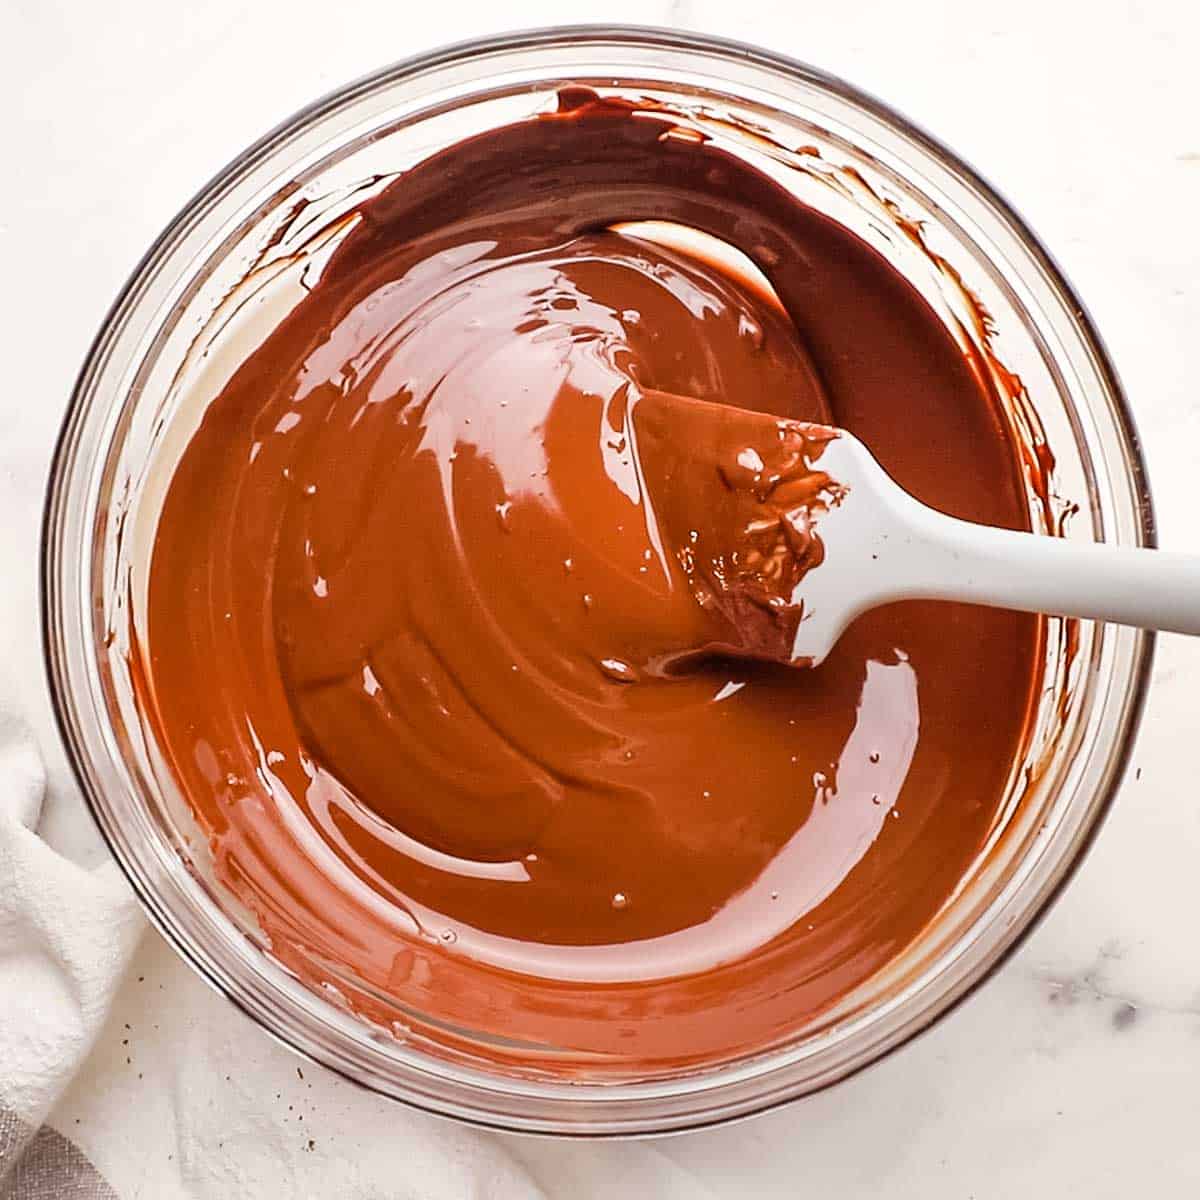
[{"x": 420, "y": 588}]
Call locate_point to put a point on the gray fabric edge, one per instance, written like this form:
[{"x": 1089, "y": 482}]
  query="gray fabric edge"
[{"x": 42, "y": 1164}]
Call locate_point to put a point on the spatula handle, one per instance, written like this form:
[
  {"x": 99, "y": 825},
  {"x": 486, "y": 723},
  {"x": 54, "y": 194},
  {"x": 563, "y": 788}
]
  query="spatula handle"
[{"x": 956, "y": 560}]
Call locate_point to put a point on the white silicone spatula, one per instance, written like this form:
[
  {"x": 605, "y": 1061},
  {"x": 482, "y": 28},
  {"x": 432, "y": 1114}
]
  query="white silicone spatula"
[{"x": 883, "y": 545}]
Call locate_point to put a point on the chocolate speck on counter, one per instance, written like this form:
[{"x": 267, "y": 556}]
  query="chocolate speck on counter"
[{"x": 1124, "y": 1016}]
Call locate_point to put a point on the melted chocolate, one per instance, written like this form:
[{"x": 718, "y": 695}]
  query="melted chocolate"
[
  {"x": 734, "y": 498},
  {"x": 421, "y": 583}
]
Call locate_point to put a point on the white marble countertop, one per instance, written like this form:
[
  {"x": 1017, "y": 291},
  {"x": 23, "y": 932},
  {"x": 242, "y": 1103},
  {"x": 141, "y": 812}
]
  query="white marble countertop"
[{"x": 1074, "y": 1070}]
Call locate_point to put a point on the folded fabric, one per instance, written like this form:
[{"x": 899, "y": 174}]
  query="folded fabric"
[{"x": 66, "y": 936}]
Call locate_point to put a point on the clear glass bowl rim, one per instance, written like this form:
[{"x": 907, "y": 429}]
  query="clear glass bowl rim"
[{"x": 645, "y": 37}]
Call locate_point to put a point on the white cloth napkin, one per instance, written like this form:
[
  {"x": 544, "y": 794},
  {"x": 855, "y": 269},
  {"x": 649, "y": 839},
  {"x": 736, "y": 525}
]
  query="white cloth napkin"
[{"x": 66, "y": 935}]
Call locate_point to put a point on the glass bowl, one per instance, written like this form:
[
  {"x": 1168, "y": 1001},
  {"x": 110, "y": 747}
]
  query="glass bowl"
[{"x": 220, "y": 274}]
